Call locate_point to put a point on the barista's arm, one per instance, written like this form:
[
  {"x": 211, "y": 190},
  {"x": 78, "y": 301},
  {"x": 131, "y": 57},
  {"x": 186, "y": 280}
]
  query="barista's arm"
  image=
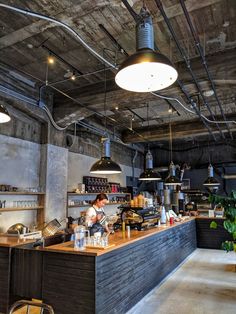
[{"x": 91, "y": 216}]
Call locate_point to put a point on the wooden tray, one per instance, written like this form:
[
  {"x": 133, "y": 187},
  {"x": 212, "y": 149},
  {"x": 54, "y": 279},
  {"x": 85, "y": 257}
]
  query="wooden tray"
[{"x": 99, "y": 247}]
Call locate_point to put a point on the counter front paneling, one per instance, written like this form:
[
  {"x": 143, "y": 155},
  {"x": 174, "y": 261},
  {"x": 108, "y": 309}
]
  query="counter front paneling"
[
  {"x": 209, "y": 238},
  {"x": 114, "y": 280}
]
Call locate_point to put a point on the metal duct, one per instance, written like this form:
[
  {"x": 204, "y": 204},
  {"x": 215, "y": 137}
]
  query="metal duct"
[
  {"x": 187, "y": 62},
  {"x": 204, "y": 62}
]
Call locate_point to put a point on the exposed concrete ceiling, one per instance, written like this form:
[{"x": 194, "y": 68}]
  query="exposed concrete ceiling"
[{"x": 26, "y": 41}]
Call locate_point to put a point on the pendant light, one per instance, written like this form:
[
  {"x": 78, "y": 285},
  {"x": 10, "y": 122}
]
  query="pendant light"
[
  {"x": 105, "y": 165},
  {"x": 149, "y": 174},
  {"x": 211, "y": 181},
  {"x": 146, "y": 70},
  {"x": 4, "y": 115},
  {"x": 171, "y": 180}
]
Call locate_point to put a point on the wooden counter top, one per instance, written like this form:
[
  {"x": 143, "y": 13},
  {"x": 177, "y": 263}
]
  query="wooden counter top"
[
  {"x": 118, "y": 240},
  {"x": 8, "y": 241}
]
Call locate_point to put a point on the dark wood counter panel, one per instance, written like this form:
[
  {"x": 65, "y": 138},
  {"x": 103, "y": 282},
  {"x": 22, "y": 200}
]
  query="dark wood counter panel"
[
  {"x": 115, "y": 280},
  {"x": 211, "y": 238}
]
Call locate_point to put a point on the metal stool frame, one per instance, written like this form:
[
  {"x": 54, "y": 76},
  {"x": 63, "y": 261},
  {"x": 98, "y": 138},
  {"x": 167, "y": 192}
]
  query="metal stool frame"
[{"x": 21, "y": 303}]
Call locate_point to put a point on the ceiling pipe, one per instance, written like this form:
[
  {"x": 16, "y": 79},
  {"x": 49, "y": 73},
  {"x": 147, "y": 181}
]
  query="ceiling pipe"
[
  {"x": 204, "y": 62},
  {"x": 136, "y": 18},
  {"x": 187, "y": 62}
]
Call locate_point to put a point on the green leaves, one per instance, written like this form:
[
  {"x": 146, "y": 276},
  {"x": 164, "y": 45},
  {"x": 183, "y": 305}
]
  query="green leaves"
[
  {"x": 230, "y": 226},
  {"x": 228, "y": 246},
  {"x": 213, "y": 225}
]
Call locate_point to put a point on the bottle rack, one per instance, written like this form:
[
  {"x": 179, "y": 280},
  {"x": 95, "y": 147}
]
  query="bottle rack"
[{"x": 95, "y": 184}]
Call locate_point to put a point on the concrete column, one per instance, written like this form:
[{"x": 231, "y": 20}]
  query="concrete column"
[{"x": 53, "y": 179}]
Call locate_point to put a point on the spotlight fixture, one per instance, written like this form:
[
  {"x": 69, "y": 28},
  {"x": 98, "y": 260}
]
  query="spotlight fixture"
[
  {"x": 73, "y": 77},
  {"x": 4, "y": 115},
  {"x": 149, "y": 174},
  {"x": 211, "y": 181},
  {"x": 50, "y": 60},
  {"x": 105, "y": 165},
  {"x": 146, "y": 70}
]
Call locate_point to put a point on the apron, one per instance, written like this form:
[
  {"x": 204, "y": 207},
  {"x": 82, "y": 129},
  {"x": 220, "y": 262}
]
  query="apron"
[{"x": 98, "y": 226}]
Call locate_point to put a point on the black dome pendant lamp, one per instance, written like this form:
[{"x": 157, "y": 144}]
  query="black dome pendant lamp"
[
  {"x": 146, "y": 70},
  {"x": 149, "y": 174},
  {"x": 105, "y": 165},
  {"x": 171, "y": 180},
  {"x": 211, "y": 181}
]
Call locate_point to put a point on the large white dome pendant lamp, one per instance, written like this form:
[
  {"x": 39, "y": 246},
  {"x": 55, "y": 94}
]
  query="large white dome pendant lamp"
[{"x": 146, "y": 70}]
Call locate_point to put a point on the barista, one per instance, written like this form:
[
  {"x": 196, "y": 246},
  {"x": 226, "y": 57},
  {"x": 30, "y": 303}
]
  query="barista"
[{"x": 95, "y": 215}]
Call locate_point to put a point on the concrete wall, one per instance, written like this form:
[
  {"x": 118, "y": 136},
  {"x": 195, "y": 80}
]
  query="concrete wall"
[
  {"x": 19, "y": 167},
  {"x": 25, "y": 164}
]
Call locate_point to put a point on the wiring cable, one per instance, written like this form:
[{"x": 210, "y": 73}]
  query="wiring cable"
[
  {"x": 190, "y": 111},
  {"x": 67, "y": 27}
]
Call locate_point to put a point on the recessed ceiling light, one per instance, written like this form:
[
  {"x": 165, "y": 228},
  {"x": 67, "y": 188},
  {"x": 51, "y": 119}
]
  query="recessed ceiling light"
[{"x": 30, "y": 46}]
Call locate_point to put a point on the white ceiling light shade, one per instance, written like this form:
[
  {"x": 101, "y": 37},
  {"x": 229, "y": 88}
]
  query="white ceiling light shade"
[
  {"x": 149, "y": 174},
  {"x": 146, "y": 70},
  {"x": 4, "y": 115},
  {"x": 211, "y": 181},
  {"x": 105, "y": 165}
]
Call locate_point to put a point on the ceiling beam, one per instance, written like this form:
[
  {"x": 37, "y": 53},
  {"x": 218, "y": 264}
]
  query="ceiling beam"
[{"x": 180, "y": 131}]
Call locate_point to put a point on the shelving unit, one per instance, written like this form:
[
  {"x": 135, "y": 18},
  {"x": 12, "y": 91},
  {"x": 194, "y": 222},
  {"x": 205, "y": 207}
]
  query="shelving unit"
[
  {"x": 39, "y": 207},
  {"x": 85, "y": 197}
]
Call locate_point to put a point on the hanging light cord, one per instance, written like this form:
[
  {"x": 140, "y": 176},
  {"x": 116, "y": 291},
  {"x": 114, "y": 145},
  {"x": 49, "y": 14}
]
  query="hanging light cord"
[
  {"x": 190, "y": 111},
  {"x": 170, "y": 142}
]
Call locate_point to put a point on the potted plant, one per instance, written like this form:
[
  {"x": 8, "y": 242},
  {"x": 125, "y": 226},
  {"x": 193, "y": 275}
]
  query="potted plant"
[{"x": 229, "y": 204}]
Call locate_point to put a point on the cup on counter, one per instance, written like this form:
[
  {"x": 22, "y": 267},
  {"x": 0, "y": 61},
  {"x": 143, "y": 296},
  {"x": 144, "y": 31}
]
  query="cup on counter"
[{"x": 171, "y": 220}]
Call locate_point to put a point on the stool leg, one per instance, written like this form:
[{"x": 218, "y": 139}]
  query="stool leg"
[{"x": 28, "y": 309}]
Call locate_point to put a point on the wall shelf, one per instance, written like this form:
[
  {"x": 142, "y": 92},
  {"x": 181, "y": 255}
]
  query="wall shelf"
[
  {"x": 15, "y": 209},
  {"x": 122, "y": 198},
  {"x": 40, "y": 196},
  {"x": 22, "y": 193}
]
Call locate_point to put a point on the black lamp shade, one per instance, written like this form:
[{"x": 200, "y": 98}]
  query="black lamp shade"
[
  {"x": 146, "y": 71},
  {"x": 150, "y": 175},
  {"x": 105, "y": 166},
  {"x": 4, "y": 115},
  {"x": 172, "y": 179},
  {"x": 211, "y": 181}
]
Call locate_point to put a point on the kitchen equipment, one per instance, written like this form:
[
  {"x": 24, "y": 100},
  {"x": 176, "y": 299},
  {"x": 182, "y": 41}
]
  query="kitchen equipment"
[
  {"x": 51, "y": 228},
  {"x": 139, "y": 217},
  {"x": 18, "y": 228}
]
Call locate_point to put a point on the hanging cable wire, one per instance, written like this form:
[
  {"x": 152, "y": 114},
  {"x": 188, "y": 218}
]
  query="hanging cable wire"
[{"x": 64, "y": 25}]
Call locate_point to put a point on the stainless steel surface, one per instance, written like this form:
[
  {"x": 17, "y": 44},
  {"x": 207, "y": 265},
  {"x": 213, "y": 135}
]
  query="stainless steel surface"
[{"x": 51, "y": 228}]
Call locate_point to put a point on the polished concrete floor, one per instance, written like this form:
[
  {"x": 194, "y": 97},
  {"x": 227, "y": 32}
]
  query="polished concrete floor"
[{"x": 204, "y": 284}]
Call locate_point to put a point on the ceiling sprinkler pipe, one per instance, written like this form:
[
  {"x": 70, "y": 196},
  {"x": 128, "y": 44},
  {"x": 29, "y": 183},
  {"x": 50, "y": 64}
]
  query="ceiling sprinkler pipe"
[
  {"x": 204, "y": 62},
  {"x": 160, "y": 7}
]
